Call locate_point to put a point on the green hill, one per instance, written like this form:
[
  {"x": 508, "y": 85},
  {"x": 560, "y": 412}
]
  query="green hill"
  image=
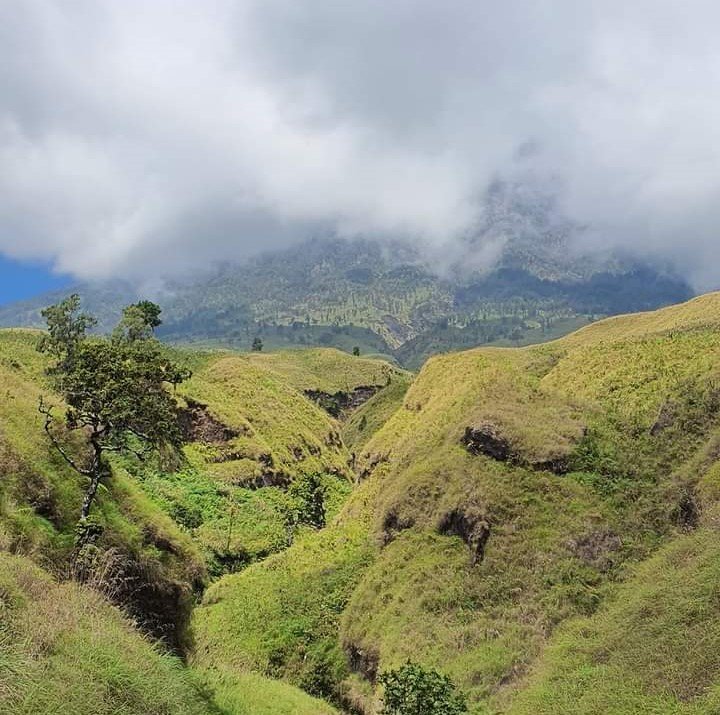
[
  {"x": 66, "y": 651},
  {"x": 515, "y": 528},
  {"x": 164, "y": 529},
  {"x": 538, "y": 523}
]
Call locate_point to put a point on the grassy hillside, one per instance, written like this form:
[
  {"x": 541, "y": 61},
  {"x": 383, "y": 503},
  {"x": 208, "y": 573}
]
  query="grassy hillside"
[
  {"x": 258, "y": 447},
  {"x": 653, "y": 648},
  {"x": 539, "y": 523},
  {"x": 66, "y": 651},
  {"x": 140, "y": 557},
  {"x": 255, "y": 441},
  {"x": 510, "y": 498}
]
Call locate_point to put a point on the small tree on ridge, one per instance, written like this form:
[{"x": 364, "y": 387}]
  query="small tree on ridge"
[{"x": 116, "y": 390}]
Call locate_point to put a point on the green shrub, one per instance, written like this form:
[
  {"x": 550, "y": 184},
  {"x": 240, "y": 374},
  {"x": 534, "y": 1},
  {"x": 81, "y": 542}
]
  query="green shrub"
[{"x": 413, "y": 690}]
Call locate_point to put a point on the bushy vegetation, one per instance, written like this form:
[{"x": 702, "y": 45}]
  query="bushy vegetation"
[
  {"x": 412, "y": 690},
  {"x": 280, "y": 617}
]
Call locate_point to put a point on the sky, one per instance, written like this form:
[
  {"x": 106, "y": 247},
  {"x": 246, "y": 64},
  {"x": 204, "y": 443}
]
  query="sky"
[
  {"x": 140, "y": 138},
  {"x": 19, "y": 280}
]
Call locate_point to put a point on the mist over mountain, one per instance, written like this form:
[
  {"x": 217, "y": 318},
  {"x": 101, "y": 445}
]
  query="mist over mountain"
[
  {"x": 138, "y": 139},
  {"x": 392, "y": 298}
]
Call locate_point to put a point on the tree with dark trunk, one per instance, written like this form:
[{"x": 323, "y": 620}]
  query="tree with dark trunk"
[{"x": 115, "y": 390}]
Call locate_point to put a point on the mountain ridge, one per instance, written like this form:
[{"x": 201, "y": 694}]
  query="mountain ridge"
[{"x": 381, "y": 298}]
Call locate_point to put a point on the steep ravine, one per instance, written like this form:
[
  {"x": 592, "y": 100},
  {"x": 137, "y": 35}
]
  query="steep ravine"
[
  {"x": 259, "y": 454},
  {"x": 502, "y": 512},
  {"x": 538, "y": 523}
]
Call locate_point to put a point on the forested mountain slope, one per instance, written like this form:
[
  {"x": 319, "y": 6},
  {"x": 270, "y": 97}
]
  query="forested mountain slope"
[
  {"x": 390, "y": 298},
  {"x": 538, "y": 523}
]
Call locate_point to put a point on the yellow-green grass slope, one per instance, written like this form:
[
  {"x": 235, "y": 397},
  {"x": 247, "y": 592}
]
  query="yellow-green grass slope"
[
  {"x": 65, "y": 651},
  {"x": 603, "y": 437},
  {"x": 240, "y": 496},
  {"x": 325, "y": 369},
  {"x": 144, "y": 558},
  {"x": 153, "y": 517},
  {"x": 236, "y": 496}
]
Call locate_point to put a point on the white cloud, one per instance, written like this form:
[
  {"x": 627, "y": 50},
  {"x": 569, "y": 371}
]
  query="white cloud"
[{"x": 174, "y": 133}]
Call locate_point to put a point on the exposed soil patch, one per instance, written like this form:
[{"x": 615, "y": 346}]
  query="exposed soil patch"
[
  {"x": 486, "y": 439},
  {"x": 596, "y": 548},
  {"x": 268, "y": 478},
  {"x": 333, "y": 439},
  {"x": 232, "y": 455},
  {"x": 160, "y": 605},
  {"x": 688, "y": 511},
  {"x": 559, "y": 465},
  {"x": 341, "y": 404},
  {"x": 666, "y": 418},
  {"x": 362, "y": 661},
  {"x": 369, "y": 465},
  {"x": 38, "y": 492},
  {"x": 393, "y": 524},
  {"x": 198, "y": 425},
  {"x": 471, "y": 525}
]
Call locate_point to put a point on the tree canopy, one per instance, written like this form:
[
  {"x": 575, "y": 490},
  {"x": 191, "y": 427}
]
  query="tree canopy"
[{"x": 116, "y": 390}]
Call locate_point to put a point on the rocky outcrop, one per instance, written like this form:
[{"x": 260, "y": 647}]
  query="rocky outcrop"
[
  {"x": 341, "y": 403},
  {"x": 268, "y": 478},
  {"x": 471, "y": 525},
  {"x": 485, "y": 438},
  {"x": 562, "y": 464},
  {"x": 198, "y": 425}
]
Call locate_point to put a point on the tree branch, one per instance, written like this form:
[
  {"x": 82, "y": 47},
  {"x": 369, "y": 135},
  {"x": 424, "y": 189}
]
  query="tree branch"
[
  {"x": 47, "y": 411},
  {"x": 139, "y": 435}
]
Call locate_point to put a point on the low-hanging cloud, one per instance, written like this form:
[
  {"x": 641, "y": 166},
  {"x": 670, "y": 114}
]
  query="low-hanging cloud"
[{"x": 143, "y": 137}]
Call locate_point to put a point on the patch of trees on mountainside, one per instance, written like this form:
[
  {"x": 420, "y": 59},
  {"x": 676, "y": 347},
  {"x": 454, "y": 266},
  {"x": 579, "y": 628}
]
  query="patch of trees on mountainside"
[{"x": 380, "y": 298}]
